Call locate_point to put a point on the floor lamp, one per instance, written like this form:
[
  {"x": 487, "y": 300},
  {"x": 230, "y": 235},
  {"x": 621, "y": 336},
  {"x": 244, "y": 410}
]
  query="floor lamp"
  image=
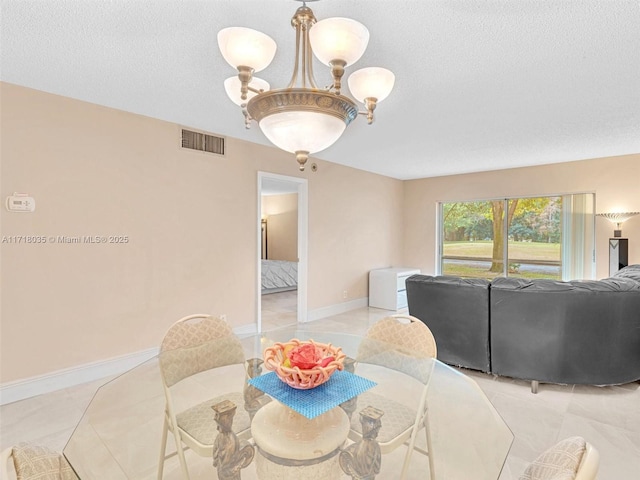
[{"x": 618, "y": 246}]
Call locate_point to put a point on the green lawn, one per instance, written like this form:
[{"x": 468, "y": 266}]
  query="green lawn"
[
  {"x": 521, "y": 250},
  {"x": 536, "y": 252},
  {"x": 471, "y": 271}
]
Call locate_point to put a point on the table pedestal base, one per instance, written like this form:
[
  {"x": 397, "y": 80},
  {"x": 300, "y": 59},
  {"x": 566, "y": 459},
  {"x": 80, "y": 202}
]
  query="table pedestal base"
[
  {"x": 291, "y": 446},
  {"x": 267, "y": 468}
]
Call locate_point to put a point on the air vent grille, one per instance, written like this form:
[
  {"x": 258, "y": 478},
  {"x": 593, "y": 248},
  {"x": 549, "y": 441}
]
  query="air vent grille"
[{"x": 202, "y": 142}]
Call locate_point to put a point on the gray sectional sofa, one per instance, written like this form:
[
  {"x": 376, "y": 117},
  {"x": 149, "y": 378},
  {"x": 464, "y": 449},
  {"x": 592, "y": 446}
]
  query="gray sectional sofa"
[{"x": 577, "y": 332}]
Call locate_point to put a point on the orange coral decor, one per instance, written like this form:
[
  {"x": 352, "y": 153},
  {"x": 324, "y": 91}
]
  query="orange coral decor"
[{"x": 304, "y": 364}]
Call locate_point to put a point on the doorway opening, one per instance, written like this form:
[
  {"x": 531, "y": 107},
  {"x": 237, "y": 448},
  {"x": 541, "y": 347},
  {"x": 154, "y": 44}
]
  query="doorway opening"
[{"x": 282, "y": 250}]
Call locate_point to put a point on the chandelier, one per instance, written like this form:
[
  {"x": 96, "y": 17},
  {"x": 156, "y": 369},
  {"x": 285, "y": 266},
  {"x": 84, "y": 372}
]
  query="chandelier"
[{"x": 302, "y": 118}]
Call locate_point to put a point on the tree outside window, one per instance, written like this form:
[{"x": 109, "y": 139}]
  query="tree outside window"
[{"x": 476, "y": 242}]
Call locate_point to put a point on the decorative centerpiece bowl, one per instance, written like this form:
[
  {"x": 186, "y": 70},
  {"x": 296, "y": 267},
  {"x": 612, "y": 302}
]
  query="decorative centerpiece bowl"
[{"x": 303, "y": 364}]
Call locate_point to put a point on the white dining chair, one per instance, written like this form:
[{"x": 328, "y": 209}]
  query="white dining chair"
[
  {"x": 192, "y": 345},
  {"x": 412, "y": 341},
  {"x": 25, "y": 461},
  {"x": 570, "y": 459}
]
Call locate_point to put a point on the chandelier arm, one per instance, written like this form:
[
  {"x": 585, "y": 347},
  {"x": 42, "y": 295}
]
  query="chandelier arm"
[
  {"x": 366, "y": 113},
  {"x": 308, "y": 61},
  {"x": 302, "y": 21},
  {"x": 370, "y": 103},
  {"x": 296, "y": 61},
  {"x": 247, "y": 117},
  {"x": 245, "y": 74},
  {"x": 255, "y": 90},
  {"x": 337, "y": 71},
  {"x": 371, "y": 106},
  {"x": 304, "y": 48}
]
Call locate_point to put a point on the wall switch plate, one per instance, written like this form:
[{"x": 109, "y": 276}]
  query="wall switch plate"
[{"x": 20, "y": 202}]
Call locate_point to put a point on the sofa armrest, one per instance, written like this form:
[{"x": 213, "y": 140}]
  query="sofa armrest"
[{"x": 456, "y": 310}]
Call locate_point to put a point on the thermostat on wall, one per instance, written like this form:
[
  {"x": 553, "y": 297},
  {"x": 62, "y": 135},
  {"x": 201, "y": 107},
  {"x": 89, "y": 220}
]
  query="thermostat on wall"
[{"x": 21, "y": 202}]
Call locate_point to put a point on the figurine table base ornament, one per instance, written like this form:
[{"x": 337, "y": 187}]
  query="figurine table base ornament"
[
  {"x": 350, "y": 405},
  {"x": 254, "y": 398},
  {"x": 362, "y": 460},
  {"x": 230, "y": 455}
]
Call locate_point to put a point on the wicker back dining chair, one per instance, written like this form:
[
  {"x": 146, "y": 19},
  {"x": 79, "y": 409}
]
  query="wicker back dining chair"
[
  {"x": 570, "y": 459},
  {"x": 192, "y": 345},
  {"x": 409, "y": 339}
]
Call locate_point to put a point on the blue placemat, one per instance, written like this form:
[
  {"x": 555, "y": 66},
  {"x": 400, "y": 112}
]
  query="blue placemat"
[{"x": 342, "y": 386}]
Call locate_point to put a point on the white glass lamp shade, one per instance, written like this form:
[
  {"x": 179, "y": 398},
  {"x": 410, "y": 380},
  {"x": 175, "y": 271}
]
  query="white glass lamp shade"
[
  {"x": 232, "y": 86},
  {"x": 338, "y": 39},
  {"x": 373, "y": 82},
  {"x": 246, "y": 47},
  {"x": 618, "y": 217},
  {"x": 302, "y": 131}
]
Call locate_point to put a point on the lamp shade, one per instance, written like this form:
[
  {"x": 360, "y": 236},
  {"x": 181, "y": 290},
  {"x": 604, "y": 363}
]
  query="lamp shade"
[
  {"x": 294, "y": 131},
  {"x": 372, "y": 82},
  {"x": 246, "y": 47},
  {"x": 338, "y": 39},
  {"x": 232, "y": 86},
  {"x": 618, "y": 217}
]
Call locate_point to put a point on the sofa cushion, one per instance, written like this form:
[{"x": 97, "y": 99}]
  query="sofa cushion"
[
  {"x": 630, "y": 271},
  {"x": 577, "y": 332},
  {"x": 614, "y": 284}
]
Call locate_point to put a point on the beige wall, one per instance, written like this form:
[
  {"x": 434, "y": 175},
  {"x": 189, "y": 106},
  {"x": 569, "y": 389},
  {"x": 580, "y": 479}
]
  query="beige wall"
[
  {"x": 191, "y": 223},
  {"x": 615, "y": 182},
  {"x": 282, "y": 226},
  {"x": 336, "y": 231}
]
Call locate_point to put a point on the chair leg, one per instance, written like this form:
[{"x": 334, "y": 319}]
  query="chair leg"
[
  {"x": 427, "y": 429},
  {"x": 419, "y": 423},
  {"x": 411, "y": 446},
  {"x": 183, "y": 463},
  {"x": 180, "y": 451},
  {"x": 163, "y": 448},
  {"x": 407, "y": 457}
]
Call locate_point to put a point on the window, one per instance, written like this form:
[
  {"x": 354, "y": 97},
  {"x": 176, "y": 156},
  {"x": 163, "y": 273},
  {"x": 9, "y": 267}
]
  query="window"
[{"x": 534, "y": 237}]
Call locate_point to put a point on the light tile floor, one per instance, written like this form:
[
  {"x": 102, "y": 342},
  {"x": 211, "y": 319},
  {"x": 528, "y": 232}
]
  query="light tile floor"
[{"x": 608, "y": 417}]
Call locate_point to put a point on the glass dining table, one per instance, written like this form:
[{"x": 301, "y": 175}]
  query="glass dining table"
[{"x": 120, "y": 433}]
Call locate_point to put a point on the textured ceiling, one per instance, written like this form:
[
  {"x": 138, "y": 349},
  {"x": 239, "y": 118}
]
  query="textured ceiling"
[{"x": 480, "y": 85}]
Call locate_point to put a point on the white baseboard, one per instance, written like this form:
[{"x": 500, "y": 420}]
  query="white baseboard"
[
  {"x": 336, "y": 309},
  {"x": 248, "y": 329},
  {"x": 30, "y": 387},
  {"x": 69, "y": 377}
]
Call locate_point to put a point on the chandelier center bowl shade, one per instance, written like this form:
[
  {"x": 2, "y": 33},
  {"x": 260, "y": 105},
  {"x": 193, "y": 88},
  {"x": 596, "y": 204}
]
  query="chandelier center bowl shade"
[
  {"x": 302, "y": 118},
  {"x": 296, "y": 119}
]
